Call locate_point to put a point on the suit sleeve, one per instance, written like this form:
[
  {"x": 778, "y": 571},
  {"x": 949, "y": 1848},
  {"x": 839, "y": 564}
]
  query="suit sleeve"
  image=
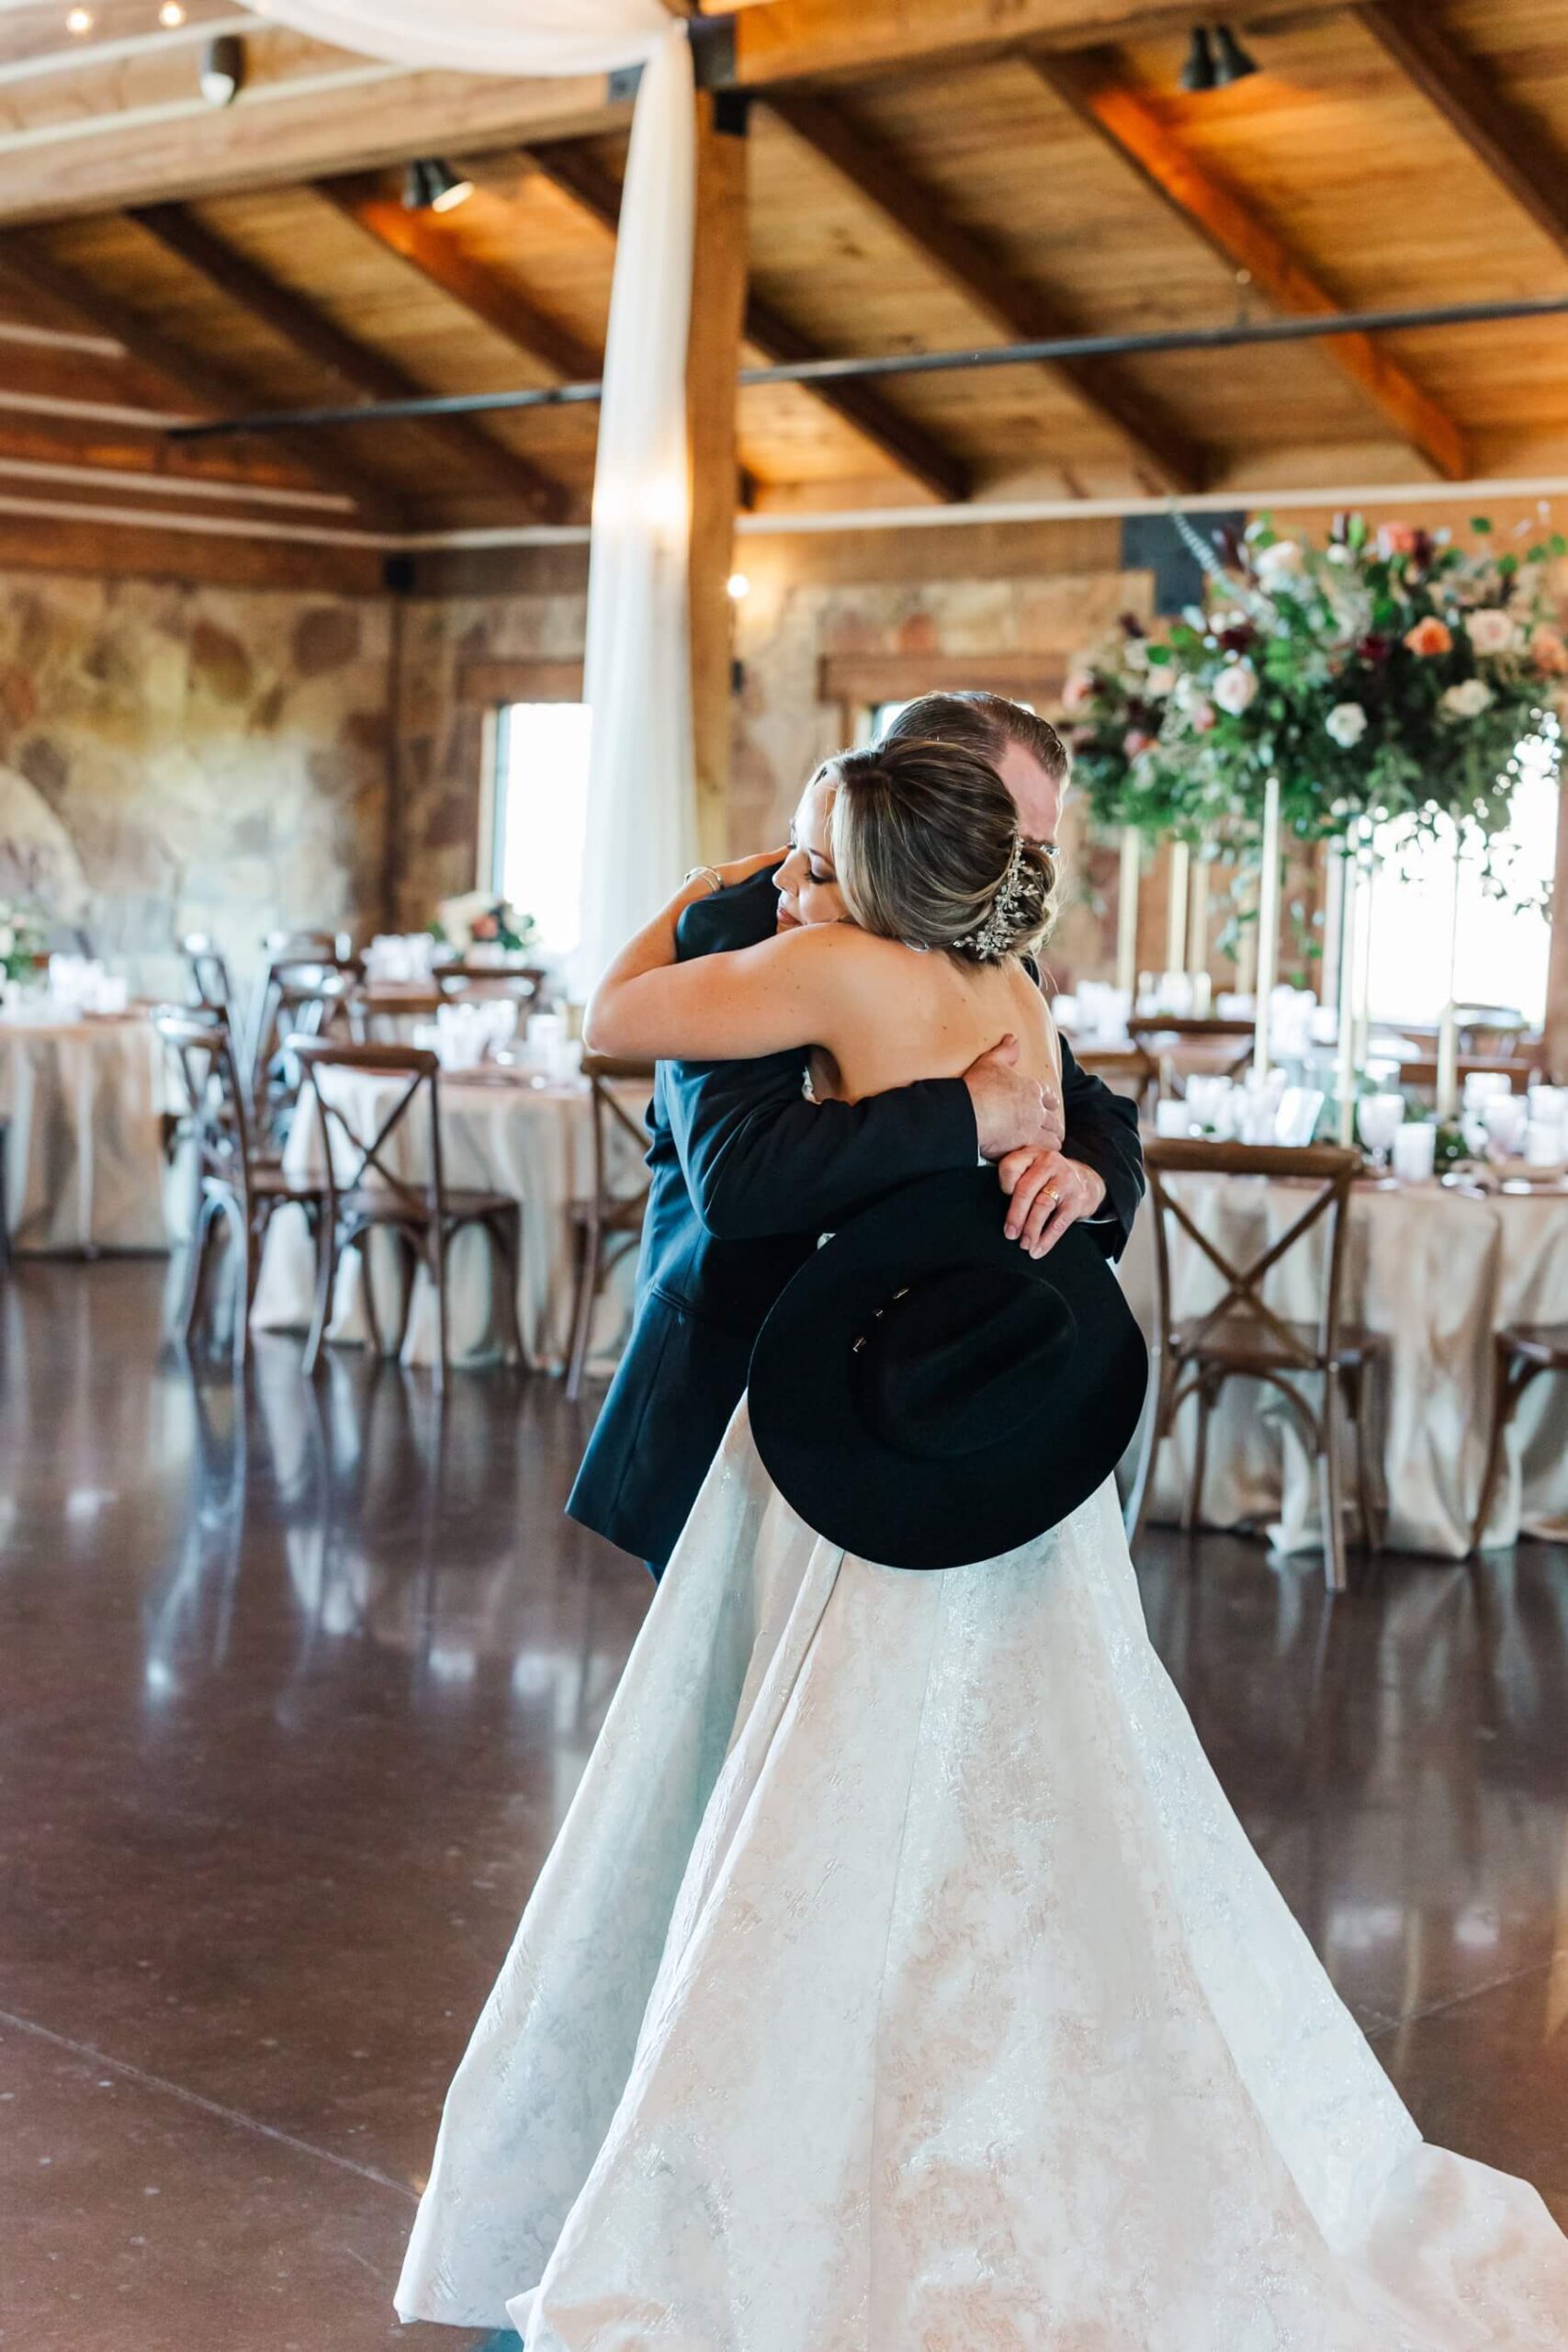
[
  {"x": 760, "y": 1158},
  {"x": 1102, "y": 1132}
]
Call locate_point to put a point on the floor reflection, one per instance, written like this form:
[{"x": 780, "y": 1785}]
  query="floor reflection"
[{"x": 298, "y": 1680}]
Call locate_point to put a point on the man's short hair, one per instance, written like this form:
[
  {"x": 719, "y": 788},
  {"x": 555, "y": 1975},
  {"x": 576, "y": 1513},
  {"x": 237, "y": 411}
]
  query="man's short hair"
[{"x": 980, "y": 722}]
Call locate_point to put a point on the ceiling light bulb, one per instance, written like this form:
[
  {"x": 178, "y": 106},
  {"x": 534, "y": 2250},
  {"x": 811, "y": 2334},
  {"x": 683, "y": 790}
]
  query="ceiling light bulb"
[
  {"x": 738, "y": 585},
  {"x": 171, "y": 14},
  {"x": 222, "y": 70},
  {"x": 450, "y": 198},
  {"x": 80, "y": 20}
]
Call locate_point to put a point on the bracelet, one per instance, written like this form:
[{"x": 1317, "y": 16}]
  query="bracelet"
[{"x": 715, "y": 879}]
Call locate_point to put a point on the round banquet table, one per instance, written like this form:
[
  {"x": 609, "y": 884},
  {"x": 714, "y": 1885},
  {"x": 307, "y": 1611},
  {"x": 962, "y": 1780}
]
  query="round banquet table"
[
  {"x": 84, "y": 1168},
  {"x": 1434, "y": 1270},
  {"x": 498, "y": 1133}
]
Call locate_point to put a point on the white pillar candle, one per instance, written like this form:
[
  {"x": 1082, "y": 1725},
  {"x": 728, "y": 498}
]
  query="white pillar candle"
[
  {"x": 1335, "y": 863},
  {"x": 1127, "y": 911},
  {"x": 1198, "y": 922},
  {"x": 1345, "y": 988},
  {"x": 1267, "y": 921}
]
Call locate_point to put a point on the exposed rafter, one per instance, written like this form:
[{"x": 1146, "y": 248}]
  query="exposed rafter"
[
  {"x": 1514, "y": 149},
  {"x": 1019, "y": 310},
  {"x": 319, "y": 339},
  {"x": 909, "y": 445},
  {"x": 434, "y": 245},
  {"x": 1089, "y": 84},
  {"x": 200, "y": 382}
]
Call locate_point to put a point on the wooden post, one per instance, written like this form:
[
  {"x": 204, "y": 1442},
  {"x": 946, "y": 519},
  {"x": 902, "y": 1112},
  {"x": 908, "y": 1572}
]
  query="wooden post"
[
  {"x": 1177, "y": 883},
  {"x": 1127, "y": 912},
  {"x": 1557, "y": 968},
  {"x": 1268, "y": 923},
  {"x": 713, "y": 360}
]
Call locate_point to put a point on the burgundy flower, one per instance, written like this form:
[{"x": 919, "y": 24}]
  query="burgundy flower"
[
  {"x": 1131, "y": 626},
  {"x": 1239, "y": 639},
  {"x": 1424, "y": 549},
  {"x": 1375, "y": 648}
]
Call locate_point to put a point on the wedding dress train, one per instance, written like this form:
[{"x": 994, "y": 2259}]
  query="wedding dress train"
[{"x": 901, "y": 1981}]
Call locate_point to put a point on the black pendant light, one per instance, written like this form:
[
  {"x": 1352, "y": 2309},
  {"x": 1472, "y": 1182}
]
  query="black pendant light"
[
  {"x": 431, "y": 186},
  {"x": 1199, "y": 72},
  {"x": 1232, "y": 61}
]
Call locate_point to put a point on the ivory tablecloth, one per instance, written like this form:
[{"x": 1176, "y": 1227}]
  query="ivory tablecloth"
[
  {"x": 533, "y": 1143},
  {"x": 85, "y": 1167},
  {"x": 1436, "y": 1271}
]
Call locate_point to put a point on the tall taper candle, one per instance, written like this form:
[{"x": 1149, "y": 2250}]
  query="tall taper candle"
[
  {"x": 1127, "y": 911},
  {"x": 1267, "y": 921},
  {"x": 1448, "y": 1061},
  {"x": 1179, "y": 872},
  {"x": 1349, "y": 889}
]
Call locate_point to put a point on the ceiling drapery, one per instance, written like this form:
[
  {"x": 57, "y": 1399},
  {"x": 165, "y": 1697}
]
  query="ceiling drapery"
[{"x": 642, "y": 826}]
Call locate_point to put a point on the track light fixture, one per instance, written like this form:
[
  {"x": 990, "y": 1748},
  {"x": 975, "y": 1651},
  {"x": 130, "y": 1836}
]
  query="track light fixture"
[
  {"x": 1216, "y": 58},
  {"x": 223, "y": 69},
  {"x": 431, "y": 186}
]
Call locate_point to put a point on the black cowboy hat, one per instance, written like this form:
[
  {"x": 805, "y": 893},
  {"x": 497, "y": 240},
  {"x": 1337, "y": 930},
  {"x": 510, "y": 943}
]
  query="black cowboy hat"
[{"x": 924, "y": 1394}]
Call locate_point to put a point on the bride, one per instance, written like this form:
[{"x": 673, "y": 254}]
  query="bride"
[{"x": 900, "y": 1980}]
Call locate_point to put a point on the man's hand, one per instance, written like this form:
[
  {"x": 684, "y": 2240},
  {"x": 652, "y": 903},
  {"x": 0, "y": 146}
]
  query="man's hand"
[
  {"x": 1012, "y": 1114},
  {"x": 1047, "y": 1192}
]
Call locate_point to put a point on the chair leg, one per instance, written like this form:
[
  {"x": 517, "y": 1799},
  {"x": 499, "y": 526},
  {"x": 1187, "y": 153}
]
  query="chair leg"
[
  {"x": 1332, "y": 1487},
  {"x": 506, "y": 1238},
  {"x": 190, "y": 1305},
  {"x": 326, "y": 1283},
  {"x": 1358, "y": 1396},
  {"x": 1208, "y": 1395},
  {"x": 1509, "y": 1381},
  {"x": 1162, "y": 1382},
  {"x": 438, "y": 1270},
  {"x": 582, "y": 1309},
  {"x": 367, "y": 1286}
]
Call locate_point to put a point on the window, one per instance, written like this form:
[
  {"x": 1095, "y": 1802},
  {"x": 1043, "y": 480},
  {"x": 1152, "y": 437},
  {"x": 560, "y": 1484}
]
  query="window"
[
  {"x": 539, "y": 816},
  {"x": 1501, "y": 947}
]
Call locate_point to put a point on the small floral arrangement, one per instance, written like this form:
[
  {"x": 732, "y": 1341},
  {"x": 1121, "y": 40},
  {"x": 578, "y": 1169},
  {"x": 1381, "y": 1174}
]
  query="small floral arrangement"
[
  {"x": 479, "y": 919},
  {"x": 1387, "y": 673},
  {"x": 24, "y": 937}
]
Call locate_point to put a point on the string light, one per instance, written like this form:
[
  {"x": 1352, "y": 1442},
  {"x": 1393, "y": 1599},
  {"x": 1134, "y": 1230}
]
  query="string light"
[
  {"x": 738, "y": 585},
  {"x": 171, "y": 14},
  {"x": 79, "y": 21}
]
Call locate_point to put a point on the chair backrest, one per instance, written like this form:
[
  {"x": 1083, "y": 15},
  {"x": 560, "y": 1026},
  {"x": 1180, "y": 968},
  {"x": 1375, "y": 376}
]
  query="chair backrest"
[
  {"x": 298, "y": 994},
  {"x": 1324, "y": 1173},
  {"x": 363, "y": 1140},
  {"x": 1144, "y": 1025},
  {"x": 1129, "y": 1070},
  {"x": 200, "y": 1048},
  {"x": 1421, "y": 1077},
  {"x": 208, "y": 971},
  {"x": 319, "y": 946},
  {"x": 368, "y": 1004},
  {"x": 613, "y": 1126},
  {"x": 489, "y": 979}
]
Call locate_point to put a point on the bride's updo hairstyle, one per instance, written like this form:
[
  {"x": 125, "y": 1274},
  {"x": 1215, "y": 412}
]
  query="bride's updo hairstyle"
[{"x": 927, "y": 850}]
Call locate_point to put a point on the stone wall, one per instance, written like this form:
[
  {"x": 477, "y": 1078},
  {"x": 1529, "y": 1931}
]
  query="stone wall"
[{"x": 179, "y": 759}]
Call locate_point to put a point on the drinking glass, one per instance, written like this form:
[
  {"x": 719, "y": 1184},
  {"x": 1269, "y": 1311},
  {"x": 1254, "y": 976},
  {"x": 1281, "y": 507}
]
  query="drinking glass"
[{"x": 1378, "y": 1118}]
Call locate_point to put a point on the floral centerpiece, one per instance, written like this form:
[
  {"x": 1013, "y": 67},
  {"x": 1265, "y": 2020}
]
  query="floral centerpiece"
[
  {"x": 23, "y": 939},
  {"x": 1386, "y": 674},
  {"x": 481, "y": 919}
]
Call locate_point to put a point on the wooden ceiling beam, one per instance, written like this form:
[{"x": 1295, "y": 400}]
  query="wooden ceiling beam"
[
  {"x": 433, "y": 244},
  {"x": 343, "y": 358},
  {"x": 906, "y": 445},
  {"x": 1089, "y": 84},
  {"x": 1519, "y": 155},
  {"x": 1017, "y": 309},
  {"x": 199, "y": 383}
]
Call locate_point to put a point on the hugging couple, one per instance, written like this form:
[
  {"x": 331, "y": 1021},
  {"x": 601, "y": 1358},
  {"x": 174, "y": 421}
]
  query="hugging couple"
[{"x": 900, "y": 1979}]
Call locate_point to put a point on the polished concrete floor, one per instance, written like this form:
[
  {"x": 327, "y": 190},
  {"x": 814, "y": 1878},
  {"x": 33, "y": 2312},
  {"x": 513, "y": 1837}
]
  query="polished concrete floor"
[{"x": 294, "y": 1686}]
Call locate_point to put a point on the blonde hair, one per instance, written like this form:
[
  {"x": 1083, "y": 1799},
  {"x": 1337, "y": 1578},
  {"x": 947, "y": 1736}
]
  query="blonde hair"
[{"x": 928, "y": 848}]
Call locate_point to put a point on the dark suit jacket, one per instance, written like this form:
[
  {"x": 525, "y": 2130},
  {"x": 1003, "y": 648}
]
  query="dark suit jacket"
[{"x": 746, "y": 1174}]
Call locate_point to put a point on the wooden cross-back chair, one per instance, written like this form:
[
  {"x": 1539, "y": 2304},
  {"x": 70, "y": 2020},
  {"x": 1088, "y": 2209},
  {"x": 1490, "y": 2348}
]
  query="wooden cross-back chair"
[
  {"x": 236, "y": 1184},
  {"x": 424, "y": 1212},
  {"x": 609, "y": 1223},
  {"x": 367, "y": 1005},
  {"x": 1241, "y": 1337},
  {"x": 208, "y": 969},
  {"x": 301, "y": 996},
  {"x": 1128, "y": 1070},
  {"x": 1222, "y": 1045}
]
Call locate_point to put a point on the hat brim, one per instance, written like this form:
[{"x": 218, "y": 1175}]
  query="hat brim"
[{"x": 899, "y": 1510}]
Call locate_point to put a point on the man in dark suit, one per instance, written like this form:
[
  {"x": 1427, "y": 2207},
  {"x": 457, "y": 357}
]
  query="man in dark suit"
[{"x": 747, "y": 1173}]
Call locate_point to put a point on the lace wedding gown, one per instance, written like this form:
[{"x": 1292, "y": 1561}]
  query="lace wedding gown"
[{"x": 901, "y": 1981}]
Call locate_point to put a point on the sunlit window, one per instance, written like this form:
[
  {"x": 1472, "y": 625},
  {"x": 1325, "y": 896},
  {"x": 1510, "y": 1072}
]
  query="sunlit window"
[
  {"x": 540, "y": 816},
  {"x": 1501, "y": 947}
]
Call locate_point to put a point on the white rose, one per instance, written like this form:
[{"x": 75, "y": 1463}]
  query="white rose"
[
  {"x": 1346, "y": 723},
  {"x": 1135, "y": 654},
  {"x": 1159, "y": 680},
  {"x": 1278, "y": 562},
  {"x": 1491, "y": 631},
  {"x": 1467, "y": 701},
  {"x": 1236, "y": 688}
]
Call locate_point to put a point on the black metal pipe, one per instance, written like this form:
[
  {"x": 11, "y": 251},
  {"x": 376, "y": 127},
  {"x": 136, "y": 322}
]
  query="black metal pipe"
[{"x": 912, "y": 363}]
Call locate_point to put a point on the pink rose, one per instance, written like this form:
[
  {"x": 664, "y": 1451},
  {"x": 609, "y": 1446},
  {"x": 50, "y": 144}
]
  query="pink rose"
[
  {"x": 1429, "y": 636},
  {"x": 1492, "y": 630},
  {"x": 1549, "y": 652},
  {"x": 1397, "y": 539},
  {"x": 1079, "y": 691},
  {"x": 1135, "y": 742},
  {"x": 1201, "y": 714},
  {"x": 483, "y": 927}
]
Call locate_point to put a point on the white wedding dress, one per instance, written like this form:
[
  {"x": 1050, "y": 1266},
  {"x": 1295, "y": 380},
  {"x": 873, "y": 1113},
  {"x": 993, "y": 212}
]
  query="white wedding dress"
[{"x": 901, "y": 1981}]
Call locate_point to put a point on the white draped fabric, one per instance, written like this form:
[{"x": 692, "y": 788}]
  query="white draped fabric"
[{"x": 642, "y": 820}]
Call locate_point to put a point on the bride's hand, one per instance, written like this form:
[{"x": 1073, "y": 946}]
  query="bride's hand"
[{"x": 738, "y": 869}]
